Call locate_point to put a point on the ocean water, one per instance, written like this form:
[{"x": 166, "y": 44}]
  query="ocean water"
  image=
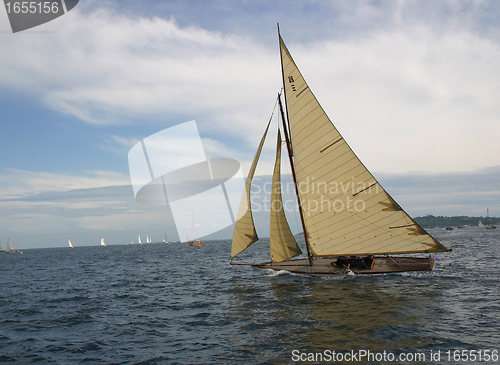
[{"x": 176, "y": 304}]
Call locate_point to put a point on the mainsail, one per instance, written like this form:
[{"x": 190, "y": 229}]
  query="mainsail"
[
  {"x": 10, "y": 246},
  {"x": 282, "y": 243},
  {"x": 244, "y": 233},
  {"x": 346, "y": 211}
]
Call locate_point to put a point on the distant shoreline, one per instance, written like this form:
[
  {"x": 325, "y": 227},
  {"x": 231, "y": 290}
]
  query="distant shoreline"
[{"x": 431, "y": 221}]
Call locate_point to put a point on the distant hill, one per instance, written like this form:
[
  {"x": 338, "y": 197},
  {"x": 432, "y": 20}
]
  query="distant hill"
[{"x": 430, "y": 221}]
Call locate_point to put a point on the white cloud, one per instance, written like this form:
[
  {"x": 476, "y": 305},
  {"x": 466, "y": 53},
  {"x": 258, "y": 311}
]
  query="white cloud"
[
  {"x": 20, "y": 183},
  {"x": 401, "y": 95},
  {"x": 411, "y": 100}
]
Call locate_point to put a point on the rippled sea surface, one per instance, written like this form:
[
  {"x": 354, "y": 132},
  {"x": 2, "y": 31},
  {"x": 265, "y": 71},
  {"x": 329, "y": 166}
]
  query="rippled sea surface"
[{"x": 176, "y": 304}]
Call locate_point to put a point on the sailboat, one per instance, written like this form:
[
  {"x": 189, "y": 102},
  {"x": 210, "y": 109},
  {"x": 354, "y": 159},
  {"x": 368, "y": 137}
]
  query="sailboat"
[
  {"x": 165, "y": 240},
  {"x": 140, "y": 239},
  {"x": 102, "y": 242},
  {"x": 1, "y": 249},
  {"x": 488, "y": 225},
  {"x": 10, "y": 246},
  {"x": 193, "y": 242},
  {"x": 350, "y": 222},
  {"x": 70, "y": 244}
]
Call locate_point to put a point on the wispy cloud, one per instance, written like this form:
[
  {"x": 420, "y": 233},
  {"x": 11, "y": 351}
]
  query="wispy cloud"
[
  {"x": 409, "y": 91},
  {"x": 19, "y": 183}
]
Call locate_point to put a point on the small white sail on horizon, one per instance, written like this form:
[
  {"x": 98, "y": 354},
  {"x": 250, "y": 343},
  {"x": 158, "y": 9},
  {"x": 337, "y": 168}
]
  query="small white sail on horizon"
[
  {"x": 165, "y": 240},
  {"x": 102, "y": 242},
  {"x": 139, "y": 237},
  {"x": 70, "y": 244},
  {"x": 10, "y": 246}
]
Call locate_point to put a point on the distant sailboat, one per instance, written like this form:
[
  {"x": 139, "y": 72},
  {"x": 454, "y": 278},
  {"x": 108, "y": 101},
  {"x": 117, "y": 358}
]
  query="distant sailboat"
[
  {"x": 70, "y": 244},
  {"x": 165, "y": 240},
  {"x": 193, "y": 242},
  {"x": 10, "y": 246},
  {"x": 488, "y": 225},
  {"x": 349, "y": 221},
  {"x": 102, "y": 242},
  {"x": 148, "y": 240},
  {"x": 480, "y": 224}
]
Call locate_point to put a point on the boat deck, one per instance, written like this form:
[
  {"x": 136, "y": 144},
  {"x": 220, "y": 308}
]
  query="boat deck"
[{"x": 326, "y": 265}]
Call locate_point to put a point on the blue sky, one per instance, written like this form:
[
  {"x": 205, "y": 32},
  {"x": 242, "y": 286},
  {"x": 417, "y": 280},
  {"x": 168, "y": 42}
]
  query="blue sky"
[{"x": 412, "y": 85}]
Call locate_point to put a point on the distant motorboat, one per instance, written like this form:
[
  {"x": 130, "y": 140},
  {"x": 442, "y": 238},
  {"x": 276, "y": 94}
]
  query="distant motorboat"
[{"x": 449, "y": 228}]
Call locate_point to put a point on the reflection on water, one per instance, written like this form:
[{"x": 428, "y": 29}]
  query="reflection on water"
[{"x": 310, "y": 314}]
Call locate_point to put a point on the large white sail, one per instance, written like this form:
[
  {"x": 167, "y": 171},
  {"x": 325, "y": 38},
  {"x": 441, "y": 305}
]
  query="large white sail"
[
  {"x": 244, "y": 229},
  {"x": 282, "y": 243},
  {"x": 346, "y": 211}
]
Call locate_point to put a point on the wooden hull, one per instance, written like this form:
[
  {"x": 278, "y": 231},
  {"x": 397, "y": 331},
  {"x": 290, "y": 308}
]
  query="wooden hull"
[
  {"x": 195, "y": 243},
  {"x": 326, "y": 265}
]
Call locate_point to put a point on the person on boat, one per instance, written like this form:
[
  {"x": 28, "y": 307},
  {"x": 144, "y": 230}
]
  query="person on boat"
[
  {"x": 355, "y": 262},
  {"x": 368, "y": 260},
  {"x": 342, "y": 262}
]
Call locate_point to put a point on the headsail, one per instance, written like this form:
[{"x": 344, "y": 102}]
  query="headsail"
[
  {"x": 346, "y": 211},
  {"x": 10, "y": 246},
  {"x": 244, "y": 233},
  {"x": 283, "y": 244}
]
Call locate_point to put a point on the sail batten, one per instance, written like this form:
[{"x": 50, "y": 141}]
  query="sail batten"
[
  {"x": 346, "y": 211},
  {"x": 282, "y": 243}
]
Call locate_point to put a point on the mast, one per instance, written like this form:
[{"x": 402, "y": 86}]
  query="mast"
[
  {"x": 289, "y": 149},
  {"x": 286, "y": 127}
]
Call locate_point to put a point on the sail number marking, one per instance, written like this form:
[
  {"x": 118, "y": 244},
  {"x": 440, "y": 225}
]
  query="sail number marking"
[{"x": 291, "y": 81}]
